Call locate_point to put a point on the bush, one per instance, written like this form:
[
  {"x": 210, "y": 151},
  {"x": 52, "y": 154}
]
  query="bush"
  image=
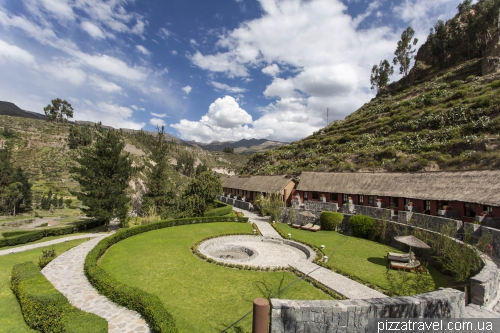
[
  {"x": 14, "y": 233},
  {"x": 32, "y": 236},
  {"x": 47, "y": 256},
  {"x": 221, "y": 210},
  {"x": 361, "y": 225},
  {"x": 331, "y": 220},
  {"x": 45, "y": 309},
  {"x": 148, "y": 305}
]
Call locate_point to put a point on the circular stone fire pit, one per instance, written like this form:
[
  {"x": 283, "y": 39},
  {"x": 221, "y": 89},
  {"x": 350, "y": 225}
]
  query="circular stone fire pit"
[{"x": 255, "y": 251}]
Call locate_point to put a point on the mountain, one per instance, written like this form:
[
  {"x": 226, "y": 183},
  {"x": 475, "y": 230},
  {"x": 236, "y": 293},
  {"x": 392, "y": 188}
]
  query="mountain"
[
  {"x": 10, "y": 109},
  {"x": 243, "y": 146},
  {"x": 444, "y": 115}
]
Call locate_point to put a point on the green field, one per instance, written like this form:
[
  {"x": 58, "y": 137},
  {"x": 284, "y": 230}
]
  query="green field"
[
  {"x": 354, "y": 256},
  {"x": 11, "y": 318},
  {"x": 201, "y": 296}
]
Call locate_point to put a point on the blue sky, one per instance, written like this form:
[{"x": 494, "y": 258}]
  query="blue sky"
[{"x": 206, "y": 69}]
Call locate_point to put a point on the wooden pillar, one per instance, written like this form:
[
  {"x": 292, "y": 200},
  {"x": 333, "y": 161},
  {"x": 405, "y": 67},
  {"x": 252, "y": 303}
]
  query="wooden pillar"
[{"x": 260, "y": 315}]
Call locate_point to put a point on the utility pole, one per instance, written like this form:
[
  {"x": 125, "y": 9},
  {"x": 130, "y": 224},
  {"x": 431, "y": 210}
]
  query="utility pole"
[{"x": 326, "y": 116}]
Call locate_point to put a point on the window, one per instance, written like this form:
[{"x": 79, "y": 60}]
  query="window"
[
  {"x": 344, "y": 198},
  {"x": 372, "y": 199},
  {"x": 315, "y": 195},
  {"x": 334, "y": 196},
  {"x": 488, "y": 209},
  {"x": 427, "y": 204},
  {"x": 441, "y": 204},
  {"x": 470, "y": 209},
  {"x": 361, "y": 198},
  {"x": 407, "y": 201},
  {"x": 393, "y": 201},
  {"x": 305, "y": 196}
]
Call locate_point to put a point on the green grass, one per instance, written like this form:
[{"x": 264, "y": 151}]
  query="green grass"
[
  {"x": 361, "y": 258},
  {"x": 201, "y": 296},
  {"x": 11, "y": 318}
]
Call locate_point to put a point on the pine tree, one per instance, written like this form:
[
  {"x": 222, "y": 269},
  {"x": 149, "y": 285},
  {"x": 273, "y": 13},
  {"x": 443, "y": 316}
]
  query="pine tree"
[
  {"x": 160, "y": 192},
  {"x": 201, "y": 193},
  {"x": 103, "y": 174},
  {"x": 15, "y": 189}
]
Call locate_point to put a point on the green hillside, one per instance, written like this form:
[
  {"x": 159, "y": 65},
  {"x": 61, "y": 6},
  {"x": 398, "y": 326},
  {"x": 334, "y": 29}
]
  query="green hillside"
[{"x": 444, "y": 115}]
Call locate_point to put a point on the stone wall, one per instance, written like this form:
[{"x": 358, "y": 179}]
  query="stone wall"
[
  {"x": 353, "y": 315},
  {"x": 284, "y": 216},
  {"x": 425, "y": 221},
  {"x": 318, "y": 206},
  {"x": 484, "y": 286},
  {"x": 375, "y": 212},
  {"x": 238, "y": 203}
]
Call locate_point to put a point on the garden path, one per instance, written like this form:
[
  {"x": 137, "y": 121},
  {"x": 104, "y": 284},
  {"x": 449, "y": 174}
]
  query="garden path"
[
  {"x": 66, "y": 274},
  {"x": 42, "y": 244},
  {"x": 341, "y": 284}
]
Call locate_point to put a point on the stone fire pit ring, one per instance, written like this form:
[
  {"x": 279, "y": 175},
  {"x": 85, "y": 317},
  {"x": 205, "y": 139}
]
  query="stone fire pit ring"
[{"x": 257, "y": 251}]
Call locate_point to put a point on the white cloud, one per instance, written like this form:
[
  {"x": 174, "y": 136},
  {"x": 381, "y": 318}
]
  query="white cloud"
[
  {"x": 92, "y": 29},
  {"x": 225, "y": 87},
  {"x": 108, "y": 113},
  {"x": 13, "y": 53},
  {"x": 59, "y": 8},
  {"x": 224, "y": 121},
  {"x": 158, "y": 115},
  {"x": 113, "y": 66},
  {"x": 164, "y": 33},
  {"x": 272, "y": 70},
  {"x": 187, "y": 89},
  {"x": 104, "y": 85},
  {"x": 143, "y": 50},
  {"x": 157, "y": 122},
  {"x": 136, "y": 108},
  {"x": 66, "y": 71},
  {"x": 174, "y": 52}
]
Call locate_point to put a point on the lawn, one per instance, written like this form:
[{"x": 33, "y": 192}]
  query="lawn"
[
  {"x": 361, "y": 258},
  {"x": 201, "y": 296},
  {"x": 11, "y": 318}
]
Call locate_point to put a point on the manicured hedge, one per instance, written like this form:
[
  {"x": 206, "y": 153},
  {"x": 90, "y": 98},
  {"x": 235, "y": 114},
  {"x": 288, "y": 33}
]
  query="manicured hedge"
[
  {"x": 35, "y": 235},
  {"x": 14, "y": 233},
  {"x": 221, "y": 210},
  {"x": 330, "y": 220},
  {"x": 148, "y": 305},
  {"x": 45, "y": 309},
  {"x": 362, "y": 225}
]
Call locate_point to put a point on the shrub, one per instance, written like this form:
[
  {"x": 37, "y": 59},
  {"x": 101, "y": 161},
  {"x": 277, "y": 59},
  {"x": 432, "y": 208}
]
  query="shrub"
[
  {"x": 47, "y": 256},
  {"x": 331, "y": 220},
  {"x": 148, "y": 305},
  {"x": 45, "y": 309},
  {"x": 455, "y": 83},
  {"x": 221, "y": 210},
  {"x": 361, "y": 225},
  {"x": 14, "y": 233}
]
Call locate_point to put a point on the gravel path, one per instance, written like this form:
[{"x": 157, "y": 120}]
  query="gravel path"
[
  {"x": 66, "y": 274},
  {"x": 42, "y": 244}
]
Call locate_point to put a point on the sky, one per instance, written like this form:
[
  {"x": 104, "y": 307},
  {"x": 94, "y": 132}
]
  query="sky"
[{"x": 207, "y": 70}]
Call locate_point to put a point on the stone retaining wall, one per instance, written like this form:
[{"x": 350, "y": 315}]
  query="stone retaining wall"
[
  {"x": 289, "y": 316},
  {"x": 318, "y": 206},
  {"x": 484, "y": 286},
  {"x": 237, "y": 203},
  {"x": 284, "y": 216}
]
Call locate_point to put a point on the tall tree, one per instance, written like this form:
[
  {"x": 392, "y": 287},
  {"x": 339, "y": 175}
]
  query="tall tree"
[
  {"x": 160, "y": 191},
  {"x": 15, "y": 189},
  {"x": 103, "y": 173},
  {"x": 380, "y": 74},
  {"x": 201, "y": 193},
  {"x": 58, "y": 110},
  {"x": 404, "y": 53}
]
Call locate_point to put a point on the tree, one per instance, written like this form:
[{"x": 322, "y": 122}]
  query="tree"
[
  {"x": 201, "y": 193},
  {"x": 404, "y": 53},
  {"x": 15, "y": 189},
  {"x": 185, "y": 163},
  {"x": 200, "y": 168},
  {"x": 380, "y": 74},
  {"x": 103, "y": 173},
  {"x": 271, "y": 204},
  {"x": 228, "y": 150},
  {"x": 58, "y": 110},
  {"x": 160, "y": 191},
  {"x": 12, "y": 195},
  {"x": 79, "y": 136}
]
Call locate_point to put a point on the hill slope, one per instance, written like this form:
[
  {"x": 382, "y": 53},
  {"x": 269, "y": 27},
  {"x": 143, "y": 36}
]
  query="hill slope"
[{"x": 447, "y": 121}]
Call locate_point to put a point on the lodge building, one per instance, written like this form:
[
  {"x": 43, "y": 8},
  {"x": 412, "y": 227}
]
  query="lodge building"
[{"x": 250, "y": 187}]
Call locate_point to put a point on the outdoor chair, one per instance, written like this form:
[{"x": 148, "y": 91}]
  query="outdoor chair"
[
  {"x": 402, "y": 257},
  {"x": 315, "y": 228},
  {"x": 296, "y": 226},
  {"x": 409, "y": 266},
  {"x": 307, "y": 226}
]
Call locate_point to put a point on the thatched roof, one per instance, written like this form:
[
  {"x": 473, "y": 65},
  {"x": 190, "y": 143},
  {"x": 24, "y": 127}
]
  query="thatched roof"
[
  {"x": 481, "y": 187},
  {"x": 264, "y": 184}
]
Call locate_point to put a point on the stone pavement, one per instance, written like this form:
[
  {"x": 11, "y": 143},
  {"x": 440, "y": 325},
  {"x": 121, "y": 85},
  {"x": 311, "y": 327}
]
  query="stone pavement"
[
  {"x": 66, "y": 274},
  {"x": 341, "y": 284},
  {"x": 42, "y": 244}
]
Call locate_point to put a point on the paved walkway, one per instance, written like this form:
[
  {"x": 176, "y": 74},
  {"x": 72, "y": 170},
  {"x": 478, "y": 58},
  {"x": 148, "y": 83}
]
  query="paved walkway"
[
  {"x": 341, "y": 284},
  {"x": 66, "y": 274},
  {"x": 42, "y": 244}
]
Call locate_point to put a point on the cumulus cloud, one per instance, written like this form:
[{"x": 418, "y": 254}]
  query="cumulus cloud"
[
  {"x": 187, "y": 89},
  {"x": 92, "y": 29},
  {"x": 227, "y": 88},
  {"x": 143, "y": 50},
  {"x": 224, "y": 121},
  {"x": 157, "y": 122},
  {"x": 272, "y": 70}
]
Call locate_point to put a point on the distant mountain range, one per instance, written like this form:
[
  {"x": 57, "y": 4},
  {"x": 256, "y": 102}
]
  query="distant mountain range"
[{"x": 240, "y": 147}]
